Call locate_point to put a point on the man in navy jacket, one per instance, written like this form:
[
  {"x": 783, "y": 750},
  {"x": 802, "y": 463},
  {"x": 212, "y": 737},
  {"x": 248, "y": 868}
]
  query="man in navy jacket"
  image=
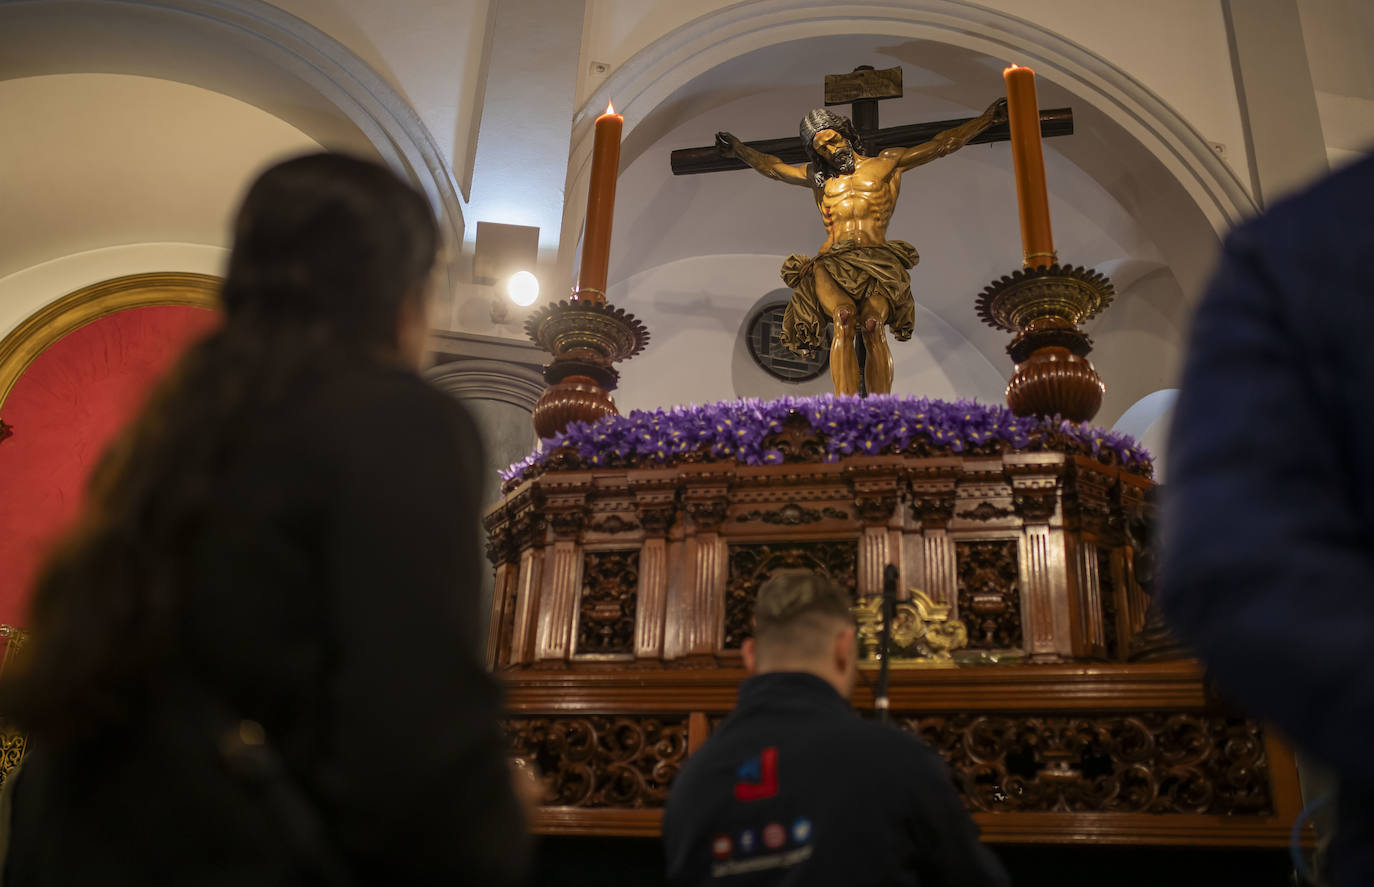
[
  {"x": 795, "y": 789},
  {"x": 1268, "y": 557}
]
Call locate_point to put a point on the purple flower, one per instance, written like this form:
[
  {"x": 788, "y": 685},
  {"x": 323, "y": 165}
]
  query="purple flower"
[{"x": 741, "y": 430}]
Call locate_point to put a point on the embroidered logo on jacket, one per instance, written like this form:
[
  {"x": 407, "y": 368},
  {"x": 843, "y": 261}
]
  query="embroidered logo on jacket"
[{"x": 758, "y": 777}]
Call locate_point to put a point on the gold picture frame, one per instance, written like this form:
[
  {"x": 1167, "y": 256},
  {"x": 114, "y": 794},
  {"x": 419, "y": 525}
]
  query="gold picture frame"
[{"x": 90, "y": 303}]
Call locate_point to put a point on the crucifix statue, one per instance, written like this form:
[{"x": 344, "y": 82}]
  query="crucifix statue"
[{"x": 858, "y": 279}]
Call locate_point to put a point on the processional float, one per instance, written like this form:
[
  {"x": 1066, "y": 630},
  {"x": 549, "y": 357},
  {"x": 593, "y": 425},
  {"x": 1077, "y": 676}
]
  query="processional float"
[{"x": 628, "y": 550}]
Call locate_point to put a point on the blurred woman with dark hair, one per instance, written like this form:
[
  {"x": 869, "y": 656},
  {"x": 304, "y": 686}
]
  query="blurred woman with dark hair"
[{"x": 253, "y": 659}]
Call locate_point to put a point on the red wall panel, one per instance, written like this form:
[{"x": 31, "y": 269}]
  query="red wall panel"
[{"x": 64, "y": 409}]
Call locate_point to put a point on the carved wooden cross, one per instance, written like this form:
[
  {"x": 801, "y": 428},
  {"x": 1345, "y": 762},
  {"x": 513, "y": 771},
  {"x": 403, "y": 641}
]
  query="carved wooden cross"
[{"x": 861, "y": 89}]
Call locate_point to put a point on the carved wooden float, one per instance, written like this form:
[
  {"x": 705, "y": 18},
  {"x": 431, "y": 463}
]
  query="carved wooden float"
[{"x": 623, "y": 593}]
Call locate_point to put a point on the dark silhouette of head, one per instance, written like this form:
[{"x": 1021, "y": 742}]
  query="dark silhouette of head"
[
  {"x": 329, "y": 268},
  {"x": 822, "y": 167},
  {"x": 331, "y": 242}
]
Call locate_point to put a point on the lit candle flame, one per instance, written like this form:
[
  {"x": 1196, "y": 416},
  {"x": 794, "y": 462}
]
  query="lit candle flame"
[{"x": 610, "y": 108}]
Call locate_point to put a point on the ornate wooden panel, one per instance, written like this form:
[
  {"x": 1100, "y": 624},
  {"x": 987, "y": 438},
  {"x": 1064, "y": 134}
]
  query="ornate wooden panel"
[
  {"x": 751, "y": 565},
  {"x": 1107, "y": 584},
  {"x": 989, "y": 584},
  {"x": 606, "y": 611},
  {"x": 598, "y": 761},
  {"x": 1158, "y": 763}
]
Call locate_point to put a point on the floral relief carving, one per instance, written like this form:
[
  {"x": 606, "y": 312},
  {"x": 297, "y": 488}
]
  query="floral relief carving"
[
  {"x": 601, "y": 761},
  {"x": 989, "y": 588},
  {"x": 656, "y": 521},
  {"x": 606, "y": 612},
  {"x": 1155, "y": 762},
  {"x": 792, "y": 515},
  {"x": 708, "y": 515},
  {"x": 567, "y": 524},
  {"x": 986, "y": 511},
  {"x": 613, "y": 524}
]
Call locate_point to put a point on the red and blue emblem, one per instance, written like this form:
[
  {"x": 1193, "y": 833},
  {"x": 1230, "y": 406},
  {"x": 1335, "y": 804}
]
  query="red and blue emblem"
[{"x": 758, "y": 777}]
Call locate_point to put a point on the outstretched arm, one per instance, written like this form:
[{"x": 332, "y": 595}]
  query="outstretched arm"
[
  {"x": 950, "y": 140},
  {"x": 729, "y": 146}
]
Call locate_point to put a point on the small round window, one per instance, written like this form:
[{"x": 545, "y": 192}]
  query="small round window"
[{"x": 776, "y": 359}]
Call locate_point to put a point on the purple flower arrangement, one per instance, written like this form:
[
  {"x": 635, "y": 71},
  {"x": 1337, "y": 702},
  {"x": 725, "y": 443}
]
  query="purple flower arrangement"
[{"x": 753, "y": 432}]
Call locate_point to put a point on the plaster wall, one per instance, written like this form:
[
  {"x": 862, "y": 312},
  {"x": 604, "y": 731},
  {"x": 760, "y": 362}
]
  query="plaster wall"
[
  {"x": 1337, "y": 35},
  {"x": 107, "y": 160},
  {"x": 429, "y": 51}
]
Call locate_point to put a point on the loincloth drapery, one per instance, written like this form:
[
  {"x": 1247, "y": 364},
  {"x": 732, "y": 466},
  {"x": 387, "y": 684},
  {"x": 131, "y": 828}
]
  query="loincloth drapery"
[{"x": 861, "y": 271}]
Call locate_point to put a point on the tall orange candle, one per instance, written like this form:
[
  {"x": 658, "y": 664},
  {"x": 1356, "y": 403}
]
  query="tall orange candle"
[
  {"x": 596, "y": 238},
  {"x": 1023, "y": 114}
]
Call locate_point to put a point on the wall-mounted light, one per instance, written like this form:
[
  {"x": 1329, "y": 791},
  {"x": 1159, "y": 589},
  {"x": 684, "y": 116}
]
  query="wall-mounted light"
[
  {"x": 502, "y": 250},
  {"x": 523, "y": 288},
  {"x": 505, "y": 256}
]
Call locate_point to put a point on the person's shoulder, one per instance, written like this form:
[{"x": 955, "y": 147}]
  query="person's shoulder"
[
  {"x": 1340, "y": 204},
  {"x": 372, "y": 411},
  {"x": 892, "y": 746}
]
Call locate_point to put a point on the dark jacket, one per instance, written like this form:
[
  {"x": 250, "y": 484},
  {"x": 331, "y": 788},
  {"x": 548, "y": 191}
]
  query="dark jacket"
[
  {"x": 1268, "y": 529},
  {"x": 333, "y": 599},
  {"x": 794, "y": 788}
]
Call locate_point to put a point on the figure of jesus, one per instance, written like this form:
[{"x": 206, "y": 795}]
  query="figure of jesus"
[{"x": 858, "y": 279}]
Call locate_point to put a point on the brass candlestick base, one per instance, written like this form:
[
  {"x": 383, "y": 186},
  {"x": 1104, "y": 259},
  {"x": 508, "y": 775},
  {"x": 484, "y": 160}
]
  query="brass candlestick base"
[
  {"x": 1043, "y": 307},
  {"x": 585, "y": 336}
]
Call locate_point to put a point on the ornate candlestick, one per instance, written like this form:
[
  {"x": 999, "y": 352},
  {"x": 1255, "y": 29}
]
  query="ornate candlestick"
[
  {"x": 1043, "y": 303},
  {"x": 1043, "y": 307},
  {"x": 586, "y": 334},
  {"x": 585, "y": 338}
]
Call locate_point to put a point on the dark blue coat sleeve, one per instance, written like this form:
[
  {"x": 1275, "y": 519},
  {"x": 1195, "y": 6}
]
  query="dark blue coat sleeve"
[{"x": 1266, "y": 566}]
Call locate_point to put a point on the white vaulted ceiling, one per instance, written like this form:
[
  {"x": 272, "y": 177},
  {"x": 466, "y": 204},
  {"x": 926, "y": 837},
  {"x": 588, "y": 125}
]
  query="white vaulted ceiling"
[{"x": 107, "y": 159}]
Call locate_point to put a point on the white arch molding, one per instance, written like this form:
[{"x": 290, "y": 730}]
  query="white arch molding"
[
  {"x": 674, "y": 60},
  {"x": 503, "y": 381},
  {"x": 249, "y": 50}
]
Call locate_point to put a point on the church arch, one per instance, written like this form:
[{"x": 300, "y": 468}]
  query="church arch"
[
  {"x": 249, "y": 50},
  {"x": 498, "y": 380},
  {"x": 653, "y": 74}
]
